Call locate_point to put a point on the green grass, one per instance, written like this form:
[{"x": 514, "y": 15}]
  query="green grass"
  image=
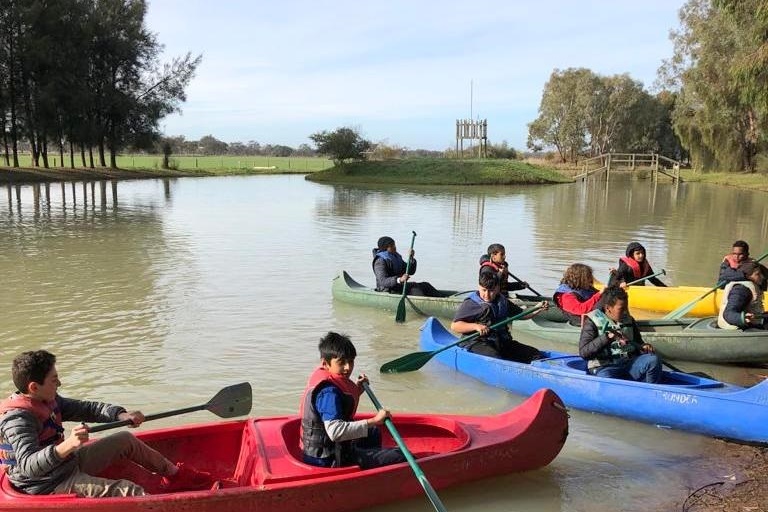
[
  {"x": 751, "y": 181},
  {"x": 215, "y": 164},
  {"x": 439, "y": 171}
]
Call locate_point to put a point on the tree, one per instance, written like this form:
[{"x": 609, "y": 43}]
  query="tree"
[
  {"x": 210, "y": 145},
  {"x": 719, "y": 114},
  {"x": 341, "y": 144},
  {"x": 562, "y": 113}
]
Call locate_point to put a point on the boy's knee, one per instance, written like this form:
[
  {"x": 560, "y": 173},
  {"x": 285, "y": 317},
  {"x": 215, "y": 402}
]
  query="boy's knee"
[{"x": 123, "y": 439}]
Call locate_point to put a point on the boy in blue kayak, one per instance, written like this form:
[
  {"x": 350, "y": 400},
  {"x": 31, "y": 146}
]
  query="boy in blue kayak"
[
  {"x": 40, "y": 460},
  {"x": 488, "y": 306},
  {"x": 611, "y": 342},
  {"x": 330, "y": 437}
]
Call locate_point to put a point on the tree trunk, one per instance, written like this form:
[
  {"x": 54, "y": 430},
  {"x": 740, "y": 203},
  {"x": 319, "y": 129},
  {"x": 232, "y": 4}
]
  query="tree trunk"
[
  {"x": 102, "y": 162},
  {"x": 71, "y": 155},
  {"x": 90, "y": 156},
  {"x": 43, "y": 145},
  {"x": 82, "y": 154}
]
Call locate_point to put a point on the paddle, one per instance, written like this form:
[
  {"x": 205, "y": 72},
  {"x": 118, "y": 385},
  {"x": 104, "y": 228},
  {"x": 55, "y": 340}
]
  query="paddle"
[
  {"x": 231, "y": 401},
  {"x": 513, "y": 276},
  {"x": 662, "y": 273},
  {"x": 415, "y": 360},
  {"x": 428, "y": 489},
  {"x": 685, "y": 308},
  {"x": 400, "y": 314}
]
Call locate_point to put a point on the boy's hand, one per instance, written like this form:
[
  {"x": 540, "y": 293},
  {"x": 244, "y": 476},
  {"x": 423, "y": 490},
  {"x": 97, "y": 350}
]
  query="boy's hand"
[
  {"x": 381, "y": 415},
  {"x": 482, "y": 329},
  {"x": 362, "y": 378},
  {"x": 135, "y": 417},
  {"x": 77, "y": 437}
]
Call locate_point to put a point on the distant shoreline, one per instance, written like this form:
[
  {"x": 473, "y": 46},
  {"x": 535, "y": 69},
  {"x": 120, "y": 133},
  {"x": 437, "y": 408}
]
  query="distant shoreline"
[
  {"x": 30, "y": 175},
  {"x": 440, "y": 171}
]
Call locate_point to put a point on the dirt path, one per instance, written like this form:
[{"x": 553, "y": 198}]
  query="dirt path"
[{"x": 740, "y": 483}]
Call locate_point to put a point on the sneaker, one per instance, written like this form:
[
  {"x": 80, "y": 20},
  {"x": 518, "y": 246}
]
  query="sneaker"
[{"x": 186, "y": 479}]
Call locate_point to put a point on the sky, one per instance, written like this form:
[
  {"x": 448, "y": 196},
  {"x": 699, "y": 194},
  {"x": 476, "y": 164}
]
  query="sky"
[{"x": 401, "y": 72}]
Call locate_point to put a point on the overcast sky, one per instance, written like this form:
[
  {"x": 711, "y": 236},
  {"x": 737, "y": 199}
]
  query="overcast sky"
[{"x": 277, "y": 71}]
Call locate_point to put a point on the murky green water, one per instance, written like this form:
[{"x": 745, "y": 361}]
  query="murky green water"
[{"x": 155, "y": 294}]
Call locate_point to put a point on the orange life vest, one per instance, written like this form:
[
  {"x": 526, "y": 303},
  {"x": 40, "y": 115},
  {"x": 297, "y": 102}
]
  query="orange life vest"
[{"x": 48, "y": 415}]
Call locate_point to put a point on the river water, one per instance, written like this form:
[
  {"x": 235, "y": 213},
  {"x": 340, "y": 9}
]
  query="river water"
[{"x": 157, "y": 293}]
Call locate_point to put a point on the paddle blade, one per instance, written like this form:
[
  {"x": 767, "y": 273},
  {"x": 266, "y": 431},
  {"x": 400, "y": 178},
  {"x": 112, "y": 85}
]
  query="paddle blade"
[
  {"x": 407, "y": 363},
  {"x": 400, "y": 314},
  {"x": 232, "y": 401}
]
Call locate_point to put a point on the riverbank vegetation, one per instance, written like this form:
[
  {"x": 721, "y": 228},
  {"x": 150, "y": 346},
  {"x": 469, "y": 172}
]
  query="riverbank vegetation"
[
  {"x": 439, "y": 171},
  {"x": 82, "y": 77},
  {"x": 711, "y": 108}
]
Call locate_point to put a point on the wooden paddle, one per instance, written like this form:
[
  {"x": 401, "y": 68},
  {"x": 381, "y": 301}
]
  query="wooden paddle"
[
  {"x": 513, "y": 276},
  {"x": 662, "y": 273},
  {"x": 428, "y": 489},
  {"x": 685, "y": 308},
  {"x": 415, "y": 360},
  {"x": 400, "y": 313},
  {"x": 231, "y": 401}
]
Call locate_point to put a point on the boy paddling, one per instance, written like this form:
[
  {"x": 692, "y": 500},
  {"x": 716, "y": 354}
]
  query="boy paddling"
[{"x": 38, "y": 457}]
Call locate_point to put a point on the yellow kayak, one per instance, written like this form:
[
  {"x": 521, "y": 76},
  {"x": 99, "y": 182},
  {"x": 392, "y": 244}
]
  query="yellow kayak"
[{"x": 664, "y": 300}]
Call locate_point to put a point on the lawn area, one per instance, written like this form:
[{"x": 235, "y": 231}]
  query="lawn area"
[
  {"x": 231, "y": 164},
  {"x": 440, "y": 171},
  {"x": 751, "y": 181}
]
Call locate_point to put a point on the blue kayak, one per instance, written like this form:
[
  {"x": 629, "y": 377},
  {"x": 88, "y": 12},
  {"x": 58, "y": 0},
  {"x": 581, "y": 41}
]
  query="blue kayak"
[{"x": 682, "y": 401}]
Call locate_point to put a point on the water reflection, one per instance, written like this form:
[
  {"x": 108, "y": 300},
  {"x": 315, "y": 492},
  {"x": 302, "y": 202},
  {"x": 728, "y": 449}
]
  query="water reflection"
[{"x": 158, "y": 293}]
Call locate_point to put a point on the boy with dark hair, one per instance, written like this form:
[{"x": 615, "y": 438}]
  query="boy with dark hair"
[
  {"x": 495, "y": 262},
  {"x": 389, "y": 269},
  {"x": 611, "y": 342},
  {"x": 485, "y": 307},
  {"x": 729, "y": 268},
  {"x": 40, "y": 460},
  {"x": 329, "y": 435},
  {"x": 633, "y": 265}
]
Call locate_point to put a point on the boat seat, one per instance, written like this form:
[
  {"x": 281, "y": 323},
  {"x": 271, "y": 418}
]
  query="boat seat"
[
  {"x": 703, "y": 324},
  {"x": 578, "y": 364},
  {"x": 264, "y": 461},
  {"x": 6, "y": 487}
]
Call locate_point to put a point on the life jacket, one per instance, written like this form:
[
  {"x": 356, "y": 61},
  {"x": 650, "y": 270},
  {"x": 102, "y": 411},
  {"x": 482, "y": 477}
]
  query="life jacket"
[
  {"x": 394, "y": 263},
  {"x": 492, "y": 312},
  {"x": 580, "y": 294},
  {"x": 638, "y": 269},
  {"x": 314, "y": 439},
  {"x": 755, "y": 306},
  {"x": 50, "y": 429},
  {"x": 614, "y": 352},
  {"x": 499, "y": 269},
  {"x": 498, "y": 309}
]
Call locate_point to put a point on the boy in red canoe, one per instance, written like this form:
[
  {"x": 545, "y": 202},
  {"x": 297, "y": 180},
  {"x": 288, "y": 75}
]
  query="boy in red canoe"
[
  {"x": 329, "y": 435},
  {"x": 40, "y": 460}
]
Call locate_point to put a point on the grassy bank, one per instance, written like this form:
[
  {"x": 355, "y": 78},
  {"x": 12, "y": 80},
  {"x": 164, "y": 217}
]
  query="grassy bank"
[
  {"x": 143, "y": 167},
  {"x": 438, "y": 171},
  {"x": 751, "y": 181}
]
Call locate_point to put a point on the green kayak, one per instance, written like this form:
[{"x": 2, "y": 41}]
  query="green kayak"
[
  {"x": 346, "y": 289},
  {"x": 684, "y": 339}
]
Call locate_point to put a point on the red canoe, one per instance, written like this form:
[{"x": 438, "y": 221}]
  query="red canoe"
[{"x": 260, "y": 457}]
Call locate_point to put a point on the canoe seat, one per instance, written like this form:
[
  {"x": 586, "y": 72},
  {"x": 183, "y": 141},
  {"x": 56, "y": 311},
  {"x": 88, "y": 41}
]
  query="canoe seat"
[
  {"x": 273, "y": 458},
  {"x": 7, "y": 488},
  {"x": 578, "y": 364}
]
